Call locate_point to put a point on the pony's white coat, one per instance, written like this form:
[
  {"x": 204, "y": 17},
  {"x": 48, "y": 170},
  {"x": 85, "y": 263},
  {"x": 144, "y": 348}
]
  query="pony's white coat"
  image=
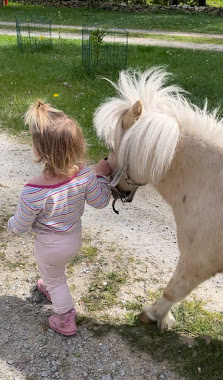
[{"x": 177, "y": 147}]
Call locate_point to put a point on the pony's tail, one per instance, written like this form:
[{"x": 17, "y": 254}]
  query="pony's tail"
[{"x": 39, "y": 116}]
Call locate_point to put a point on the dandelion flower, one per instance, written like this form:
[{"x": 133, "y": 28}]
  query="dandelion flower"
[{"x": 55, "y": 95}]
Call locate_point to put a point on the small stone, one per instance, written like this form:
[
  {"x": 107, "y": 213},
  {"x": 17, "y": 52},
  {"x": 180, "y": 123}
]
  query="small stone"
[
  {"x": 10, "y": 361},
  {"x": 44, "y": 374},
  {"x": 106, "y": 377},
  {"x": 104, "y": 347},
  {"x": 122, "y": 372}
]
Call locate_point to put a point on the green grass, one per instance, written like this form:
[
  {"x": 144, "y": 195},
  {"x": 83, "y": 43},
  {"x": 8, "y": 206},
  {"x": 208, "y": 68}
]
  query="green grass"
[
  {"x": 177, "y": 21},
  {"x": 194, "y": 346}
]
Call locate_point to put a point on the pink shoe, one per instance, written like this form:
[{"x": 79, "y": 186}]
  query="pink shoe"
[
  {"x": 42, "y": 289},
  {"x": 65, "y": 323}
]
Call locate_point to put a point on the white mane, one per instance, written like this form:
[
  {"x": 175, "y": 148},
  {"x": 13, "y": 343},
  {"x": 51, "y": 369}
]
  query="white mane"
[{"x": 149, "y": 145}]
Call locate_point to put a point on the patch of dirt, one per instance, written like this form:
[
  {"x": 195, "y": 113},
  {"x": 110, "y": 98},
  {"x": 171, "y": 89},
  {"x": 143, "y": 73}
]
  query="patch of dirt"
[{"x": 134, "y": 252}]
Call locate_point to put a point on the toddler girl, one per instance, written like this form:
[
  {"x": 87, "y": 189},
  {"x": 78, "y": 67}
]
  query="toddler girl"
[{"x": 53, "y": 204}]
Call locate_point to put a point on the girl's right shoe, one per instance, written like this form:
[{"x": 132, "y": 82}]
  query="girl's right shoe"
[
  {"x": 64, "y": 323},
  {"x": 42, "y": 289}
]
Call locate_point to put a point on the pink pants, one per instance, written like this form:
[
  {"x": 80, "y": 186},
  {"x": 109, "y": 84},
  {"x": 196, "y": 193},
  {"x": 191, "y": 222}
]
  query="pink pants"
[{"x": 52, "y": 252}]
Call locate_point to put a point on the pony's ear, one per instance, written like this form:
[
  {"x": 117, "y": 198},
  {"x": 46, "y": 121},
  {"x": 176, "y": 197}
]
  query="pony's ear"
[
  {"x": 132, "y": 115},
  {"x": 137, "y": 109}
]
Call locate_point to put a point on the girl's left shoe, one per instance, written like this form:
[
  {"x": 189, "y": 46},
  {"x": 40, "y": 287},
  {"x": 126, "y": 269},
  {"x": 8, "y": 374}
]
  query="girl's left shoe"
[
  {"x": 65, "y": 323},
  {"x": 42, "y": 289}
]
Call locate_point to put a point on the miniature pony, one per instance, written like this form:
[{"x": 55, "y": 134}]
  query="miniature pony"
[{"x": 156, "y": 136}]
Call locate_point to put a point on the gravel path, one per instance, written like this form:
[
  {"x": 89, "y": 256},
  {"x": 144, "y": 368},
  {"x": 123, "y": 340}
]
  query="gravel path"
[
  {"x": 143, "y": 31},
  {"x": 144, "y": 231},
  {"x": 134, "y": 40}
]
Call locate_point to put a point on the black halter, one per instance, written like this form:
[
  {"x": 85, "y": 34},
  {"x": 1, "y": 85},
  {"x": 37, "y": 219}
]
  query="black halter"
[{"x": 115, "y": 177}]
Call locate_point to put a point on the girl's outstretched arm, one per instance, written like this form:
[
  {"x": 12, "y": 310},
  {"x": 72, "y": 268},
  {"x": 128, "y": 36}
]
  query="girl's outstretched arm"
[{"x": 98, "y": 193}]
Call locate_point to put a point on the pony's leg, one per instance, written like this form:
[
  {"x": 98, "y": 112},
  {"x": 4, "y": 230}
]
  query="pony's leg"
[{"x": 187, "y": 276}]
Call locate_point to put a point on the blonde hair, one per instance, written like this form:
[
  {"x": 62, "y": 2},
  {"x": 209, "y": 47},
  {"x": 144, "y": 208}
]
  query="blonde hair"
[{"x": 57, "y": 139}]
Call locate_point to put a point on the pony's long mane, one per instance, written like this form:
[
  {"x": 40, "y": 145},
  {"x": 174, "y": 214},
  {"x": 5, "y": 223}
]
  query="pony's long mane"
[{"x": 149, "y": 145}]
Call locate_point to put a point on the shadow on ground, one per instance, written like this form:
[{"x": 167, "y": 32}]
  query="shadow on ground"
[{"x": 28, "y": 345}]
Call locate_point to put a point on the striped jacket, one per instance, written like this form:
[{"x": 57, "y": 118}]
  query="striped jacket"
[{"x": 59, "y": 208}]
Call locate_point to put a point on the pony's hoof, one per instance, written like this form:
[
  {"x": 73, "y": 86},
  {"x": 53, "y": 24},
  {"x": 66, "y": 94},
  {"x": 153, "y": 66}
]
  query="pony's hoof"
[
  {"x": 166, "y": 323},
  {"x": 146, "y": 316}
]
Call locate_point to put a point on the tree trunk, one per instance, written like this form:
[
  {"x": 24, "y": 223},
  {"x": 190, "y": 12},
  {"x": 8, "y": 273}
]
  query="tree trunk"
[{"x": 1, "y": 3}]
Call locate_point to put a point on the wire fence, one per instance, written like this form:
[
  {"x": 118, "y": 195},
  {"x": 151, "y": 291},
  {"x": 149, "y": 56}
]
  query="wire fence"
[
  {"x": 33, "y": 34},
  {"x": 104, "y": 48}
]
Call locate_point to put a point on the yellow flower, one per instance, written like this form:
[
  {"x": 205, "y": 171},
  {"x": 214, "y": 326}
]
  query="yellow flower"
[{"x": 55, "y": 95}]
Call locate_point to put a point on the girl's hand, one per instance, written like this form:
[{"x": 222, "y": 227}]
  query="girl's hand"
[{"x": 103, "y": 168}]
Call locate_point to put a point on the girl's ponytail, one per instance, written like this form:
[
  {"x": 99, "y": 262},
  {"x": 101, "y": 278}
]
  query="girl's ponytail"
[{"x": 38, "y": 117}]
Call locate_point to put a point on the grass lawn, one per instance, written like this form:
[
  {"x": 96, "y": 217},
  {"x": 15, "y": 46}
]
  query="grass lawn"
[
  {"x": 24, "y": 77},
  {"x": 176, "y": 21}
]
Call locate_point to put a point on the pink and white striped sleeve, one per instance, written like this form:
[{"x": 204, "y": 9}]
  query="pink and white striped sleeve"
[
  {"x": 23, "y": 218},
  {"x": 98, "y": 193}
]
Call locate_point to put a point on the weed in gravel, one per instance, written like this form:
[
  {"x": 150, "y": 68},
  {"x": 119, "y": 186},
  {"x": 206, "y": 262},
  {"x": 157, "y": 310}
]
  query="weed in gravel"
[
  {"x": 134, "y": 305},
  {"x": 103, "y": 290},
  {"x": 154, "y": 296},
  {"x": 87, "y": 253},
  {"x": 2, "y": 255},
  {"x": 3, "y": 222},
  {"x": 72, "y": 287},
  {"x": 21, "y": 264},
  {"x": 112, "y": 248}
]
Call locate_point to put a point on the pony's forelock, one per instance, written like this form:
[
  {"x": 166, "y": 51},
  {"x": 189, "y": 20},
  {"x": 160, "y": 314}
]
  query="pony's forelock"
[
  {"x": 107, "y": 121},
  {"x": 149, "y": 146},
  {"x": 131, "y": 86}
]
